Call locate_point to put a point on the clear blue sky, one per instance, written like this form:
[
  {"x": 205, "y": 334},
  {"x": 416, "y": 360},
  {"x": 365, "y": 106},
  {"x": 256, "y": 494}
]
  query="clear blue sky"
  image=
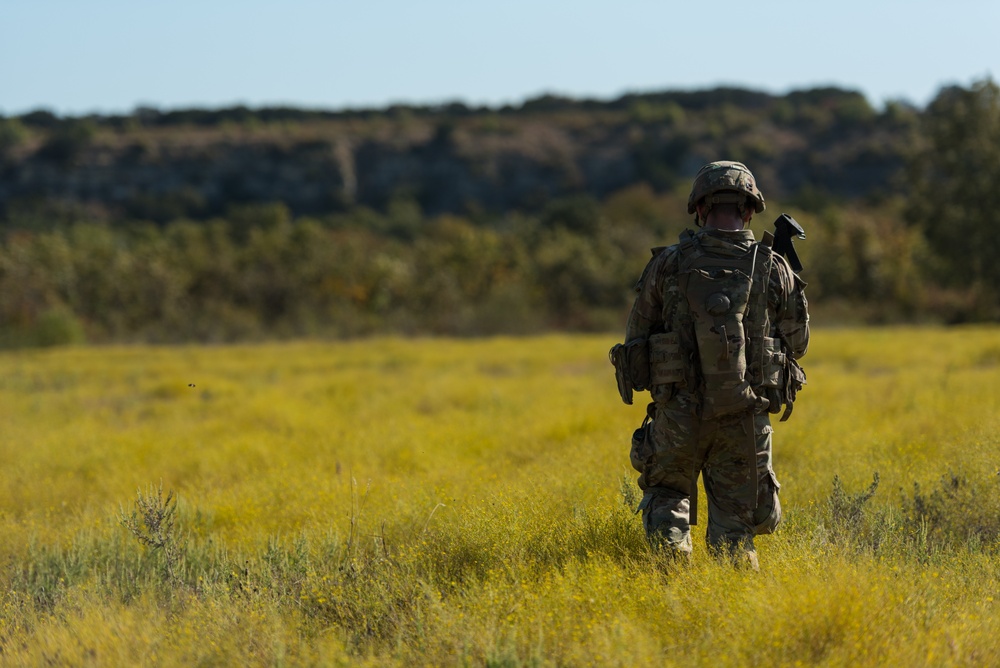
[{"x": 83, "y": 56}]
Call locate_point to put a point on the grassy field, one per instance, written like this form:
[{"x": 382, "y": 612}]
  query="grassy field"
[{"x": 432, "y": 502}]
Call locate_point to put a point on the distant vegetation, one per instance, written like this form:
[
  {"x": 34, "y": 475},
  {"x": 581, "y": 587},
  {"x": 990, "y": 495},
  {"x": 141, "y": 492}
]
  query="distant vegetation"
[{"x": 218, "y": 225}]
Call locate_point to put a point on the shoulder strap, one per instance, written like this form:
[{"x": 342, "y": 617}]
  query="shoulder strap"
[
  {"x": 759, "y": 323},
  {"x": 689, "y": 249}
]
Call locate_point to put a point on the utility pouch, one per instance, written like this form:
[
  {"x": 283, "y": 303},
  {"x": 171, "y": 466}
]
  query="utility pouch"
[
  {"x": 767, "y": 515},
  {"x": 642, "y": 446},
  {"x": 631, "y": 362}
]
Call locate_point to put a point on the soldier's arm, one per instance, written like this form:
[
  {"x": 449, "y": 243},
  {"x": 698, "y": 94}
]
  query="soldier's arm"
[
  {"x": 792, "y": 310},
  {"x": 646, "y": 316},
  {"x": 631, "y": 359}
]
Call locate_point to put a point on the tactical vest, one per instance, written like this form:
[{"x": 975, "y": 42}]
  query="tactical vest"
[{"x": 717, "y": 341}]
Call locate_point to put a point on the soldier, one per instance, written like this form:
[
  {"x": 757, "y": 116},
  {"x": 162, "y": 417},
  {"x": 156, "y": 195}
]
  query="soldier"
[{"x": 714, "y": 333}]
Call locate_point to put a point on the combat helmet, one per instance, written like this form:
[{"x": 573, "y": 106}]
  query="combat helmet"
[{"x": 725, "y": 175}]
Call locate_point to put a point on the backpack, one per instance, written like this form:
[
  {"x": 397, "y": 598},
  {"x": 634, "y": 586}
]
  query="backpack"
[{"x": 721, "y": 326}]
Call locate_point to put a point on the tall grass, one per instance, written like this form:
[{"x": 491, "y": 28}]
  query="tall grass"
[{"x": 393, "y": 502}]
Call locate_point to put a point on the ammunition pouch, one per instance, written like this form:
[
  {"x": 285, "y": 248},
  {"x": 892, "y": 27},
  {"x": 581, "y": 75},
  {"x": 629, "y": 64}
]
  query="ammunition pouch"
[
  {"x": 631, "y": 362},
  {"x": 773, "y": 373},
  {"x": 667, "y": 365},
  {"x": 656, "y": 364}
]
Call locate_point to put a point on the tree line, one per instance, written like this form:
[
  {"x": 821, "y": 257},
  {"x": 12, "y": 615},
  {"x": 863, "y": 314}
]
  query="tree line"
[{"x": 924, "y": 247}]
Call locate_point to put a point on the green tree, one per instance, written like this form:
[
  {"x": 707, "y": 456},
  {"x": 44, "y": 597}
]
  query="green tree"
[
  {"x": 954, "y": 177},
  {"x": 12, "y": 134}
]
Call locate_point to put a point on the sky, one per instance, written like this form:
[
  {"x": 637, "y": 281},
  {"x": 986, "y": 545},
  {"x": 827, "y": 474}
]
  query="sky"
[{"x": 110, "y": 56}]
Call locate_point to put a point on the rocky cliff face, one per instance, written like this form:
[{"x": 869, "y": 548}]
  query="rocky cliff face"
[{"x": 484, "y": 161}]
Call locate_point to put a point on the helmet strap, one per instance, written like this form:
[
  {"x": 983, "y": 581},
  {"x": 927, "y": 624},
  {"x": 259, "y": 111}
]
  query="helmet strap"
[
  {"x": 739, "y": 199},
  {"x": 709, "y": 201}
]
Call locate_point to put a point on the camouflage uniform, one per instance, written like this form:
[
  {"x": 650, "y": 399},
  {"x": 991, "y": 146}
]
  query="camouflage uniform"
[{"x": 732, "y": 452}]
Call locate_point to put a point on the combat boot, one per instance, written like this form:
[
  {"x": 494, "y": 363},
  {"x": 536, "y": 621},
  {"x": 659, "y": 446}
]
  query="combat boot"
[
  {"x": 747, "y": 560},
  {"x": 671, "y": 546},
  {"x": 741, "y": 554}
]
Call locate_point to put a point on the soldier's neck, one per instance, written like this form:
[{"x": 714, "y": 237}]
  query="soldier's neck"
[
  {"x": 724, "y": 223},
  {"x": 724, "y": 220}
]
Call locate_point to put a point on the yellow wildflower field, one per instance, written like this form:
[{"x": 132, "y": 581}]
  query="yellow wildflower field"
[{"x": 469, "y": 502}]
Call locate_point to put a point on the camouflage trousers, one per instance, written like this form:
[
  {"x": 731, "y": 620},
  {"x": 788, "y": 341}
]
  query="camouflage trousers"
[{"x": 733, "y": 456}]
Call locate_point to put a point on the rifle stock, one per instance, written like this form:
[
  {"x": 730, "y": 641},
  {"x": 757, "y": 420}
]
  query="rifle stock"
[{"x": 785, "y": 227}]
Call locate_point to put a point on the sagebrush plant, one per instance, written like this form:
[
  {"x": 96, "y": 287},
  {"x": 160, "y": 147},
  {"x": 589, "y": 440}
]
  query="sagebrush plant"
[
  {"x": 847, "y": 512},
  {"x": 960, "y": 509},
  {"x": 394, "y": 502},
  {"x": 152, "y": 522}
]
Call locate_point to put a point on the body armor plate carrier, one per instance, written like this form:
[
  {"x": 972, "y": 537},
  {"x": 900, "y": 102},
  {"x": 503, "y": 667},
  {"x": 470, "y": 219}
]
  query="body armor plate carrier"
[{"x": 717, "y": 342}]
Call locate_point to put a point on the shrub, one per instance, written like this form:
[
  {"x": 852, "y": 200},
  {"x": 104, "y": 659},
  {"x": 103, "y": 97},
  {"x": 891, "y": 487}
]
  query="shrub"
[
  {"x": 58, "y": 326},
  {"x": 959, "y": 510}
]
